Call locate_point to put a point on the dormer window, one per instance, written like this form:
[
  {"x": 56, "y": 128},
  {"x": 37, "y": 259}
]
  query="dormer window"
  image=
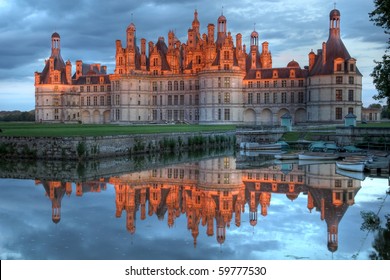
[
  {"x": 351, "y": 67},
  {"x": 275, "y": 74},
  {"x": 258, "y": 75},
  {"x": 339, "y": 65},
  {"x": 88, "y": 80}
]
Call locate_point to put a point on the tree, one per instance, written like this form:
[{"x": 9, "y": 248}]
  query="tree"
[{"x": 381, "y": 73}]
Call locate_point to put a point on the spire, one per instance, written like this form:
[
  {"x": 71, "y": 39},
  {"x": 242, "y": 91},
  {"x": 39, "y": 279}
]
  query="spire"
[
  {"x": 334, "y": 22},
  {"x": 55, "y": 44}
]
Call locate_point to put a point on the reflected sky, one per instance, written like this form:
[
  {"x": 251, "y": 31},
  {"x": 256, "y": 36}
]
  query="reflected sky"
[{"x": 89, "y": 228}]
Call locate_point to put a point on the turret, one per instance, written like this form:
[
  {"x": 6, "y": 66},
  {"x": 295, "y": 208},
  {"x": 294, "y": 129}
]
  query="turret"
[{"x": 68, "y": 72}]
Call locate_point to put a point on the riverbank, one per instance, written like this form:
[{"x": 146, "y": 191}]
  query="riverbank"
[{"x": 89, "y": 147}]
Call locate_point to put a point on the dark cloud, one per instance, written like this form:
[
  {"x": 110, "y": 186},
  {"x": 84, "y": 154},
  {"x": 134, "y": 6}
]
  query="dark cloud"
[{"x": 89, "y": 28}]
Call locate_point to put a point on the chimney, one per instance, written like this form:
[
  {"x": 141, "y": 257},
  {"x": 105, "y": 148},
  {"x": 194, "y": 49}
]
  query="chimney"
[
  {"x": 323, "y": 53},
  {"x": 312, "y": 59}
]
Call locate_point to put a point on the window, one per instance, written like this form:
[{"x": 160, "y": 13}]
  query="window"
[
  {"x": 169, "y": 85},
  {"x": 95, "y": 99},
  {"x": 227, "y": 114},
  {"x": 258, "y": 98},
  {"x": 88, "y": 100},
  {"x": 292, "y": 97},
  {"x": 219, "y": 98},
  {"x": 154, "y": 115},
  {"x": 81, "y": 88},
  {"x": 338, "y": 67},
  {"x": 175, "y": 100},
  {"x": 196, "y": 84},
  {"x": 275, "y": 83},
  {"x": 226, "y": 67},
  {"x": 266, "y": 98},
  {"x": 250, "y": 84},
  {"x": 258, "y": 84},
  {"x": 352, "y": 67},
  {"x": 154, "y": 100},
  {"x": 101, "y": 100},
  {"x": 181, "y": 85},
  {"x": 351, "y": 80},
  {"x": 101, "y": 88},
  {"x": 176, "y": 85},
  {"x": 350, "y": 95},
  {"x": 227, "y": 82},
  {"x": 117, "y": 101},
  {"x": 275, "y": 97},
  {"x": 181, "y": 99},
  {"x": 117, "y": 114},
  {"x": 154, "y": 86},
  {"x": 300, "y": 83},
  {"x": 169, "y": 99},
  {"x": 339, "y": 95},
  {"x": 82, "y": 101},
  {"x": 339, "y": 113},
  {"x": 226, "y": 97},
  {"x": 219, "y": 82},
  {"x": 226, "y": 55},
  {"x": 266, "y": 84},
  {"x": 339, "y": 80},
  {"x": 292, "y": 83},
  {"x": 250, "y": 98},
  {"x": 284, "y": 83},
  {"x": 284, "y": 97},
  {"x": 219, "y": 114},
  {"x": 301, "y": 98}
]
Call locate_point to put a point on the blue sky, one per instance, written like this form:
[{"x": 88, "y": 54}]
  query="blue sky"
[{"x": 89, "y": 28}]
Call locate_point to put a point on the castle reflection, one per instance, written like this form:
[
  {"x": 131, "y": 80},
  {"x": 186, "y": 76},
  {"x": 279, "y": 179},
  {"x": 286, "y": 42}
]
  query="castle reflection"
[{"x": 213, "y": 193}]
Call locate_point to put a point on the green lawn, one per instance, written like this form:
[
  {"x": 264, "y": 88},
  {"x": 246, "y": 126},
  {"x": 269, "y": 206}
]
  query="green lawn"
[{"x": 59, "y": 130}]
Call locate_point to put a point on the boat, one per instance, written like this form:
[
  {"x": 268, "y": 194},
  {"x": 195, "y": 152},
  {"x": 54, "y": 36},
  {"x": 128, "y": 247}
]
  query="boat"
[
  {"x": 355, "y": 166},
  {"x": 351, "y": 174},
  {"x": 318, "y": 156},
  {"x": 287, "y": 156},
  {"x": 281, "y": 145},
  {"x": 321, "y": 146}
]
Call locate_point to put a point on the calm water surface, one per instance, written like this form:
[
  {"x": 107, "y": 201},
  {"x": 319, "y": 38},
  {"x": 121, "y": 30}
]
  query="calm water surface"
[{"x": 211, "y": 208}]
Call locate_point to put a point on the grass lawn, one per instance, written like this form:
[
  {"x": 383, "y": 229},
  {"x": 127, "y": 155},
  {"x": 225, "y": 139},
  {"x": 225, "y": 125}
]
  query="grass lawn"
[{"x": 60, "y": 130}]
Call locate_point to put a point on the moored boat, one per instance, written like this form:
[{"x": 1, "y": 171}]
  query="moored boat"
[
  {"x": 281, "y": 145},
  {"x": 287, "y": 156},
  {"x": 317, "y": 156},
  {"x": 351, "y": 174},
  {"x": 355, "y": 166}
]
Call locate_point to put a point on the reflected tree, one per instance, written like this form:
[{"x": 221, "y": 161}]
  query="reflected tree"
[
  {"x": 372, "y": 222},
  {"x": 381, "y": 243}
]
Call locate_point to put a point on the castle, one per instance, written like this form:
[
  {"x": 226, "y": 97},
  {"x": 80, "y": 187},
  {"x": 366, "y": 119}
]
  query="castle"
[{"x": 207, "y": 80}]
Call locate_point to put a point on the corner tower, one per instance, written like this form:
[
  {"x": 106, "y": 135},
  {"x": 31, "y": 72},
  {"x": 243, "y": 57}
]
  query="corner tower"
[{"x": 334, "y": 82}]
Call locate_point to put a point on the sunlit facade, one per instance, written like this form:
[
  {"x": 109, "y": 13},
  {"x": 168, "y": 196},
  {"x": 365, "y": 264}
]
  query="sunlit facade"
[{"x": 211, "y": 78}]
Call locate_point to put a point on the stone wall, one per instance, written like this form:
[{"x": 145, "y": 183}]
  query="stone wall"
[
  {"x": 357, "y": 135},
  {"x": 77, "y": 148}
]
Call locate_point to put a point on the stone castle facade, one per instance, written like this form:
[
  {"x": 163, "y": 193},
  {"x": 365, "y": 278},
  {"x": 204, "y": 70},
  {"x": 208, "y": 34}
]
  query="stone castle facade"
[{"x": 211, "y": 79}]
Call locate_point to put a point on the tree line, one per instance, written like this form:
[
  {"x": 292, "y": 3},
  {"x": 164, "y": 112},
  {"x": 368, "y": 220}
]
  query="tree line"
[{"x": 17, "y": 116}]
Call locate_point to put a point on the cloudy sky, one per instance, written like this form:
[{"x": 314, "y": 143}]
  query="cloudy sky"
[{"x": 89, "y": 28}]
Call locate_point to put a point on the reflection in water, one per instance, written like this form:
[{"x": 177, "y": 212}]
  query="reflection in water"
[{"x": 213, "y": 194}]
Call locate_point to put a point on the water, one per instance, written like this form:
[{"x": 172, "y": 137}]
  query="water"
[{"x": 216, "y": 207}]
